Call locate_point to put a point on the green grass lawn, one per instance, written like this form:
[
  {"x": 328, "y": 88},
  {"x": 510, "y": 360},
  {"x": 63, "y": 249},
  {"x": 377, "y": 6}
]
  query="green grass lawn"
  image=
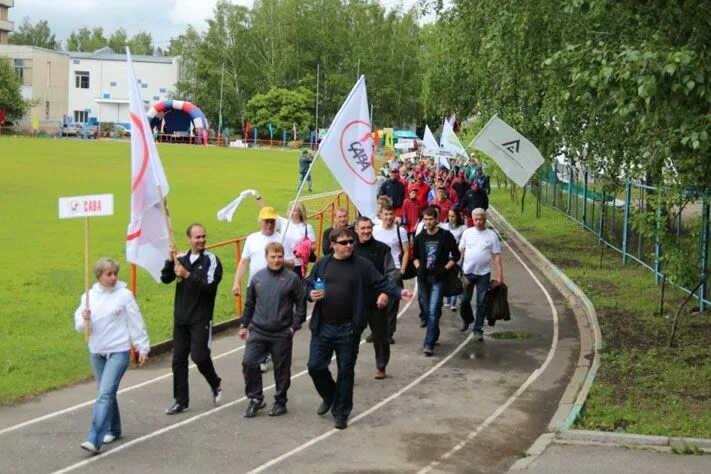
[
  {"x": 42, "y": 274},
  {"x": 642, "y": 386}
]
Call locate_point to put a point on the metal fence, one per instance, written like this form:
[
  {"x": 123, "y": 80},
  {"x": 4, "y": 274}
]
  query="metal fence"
[{"x": 611, "y": 216}]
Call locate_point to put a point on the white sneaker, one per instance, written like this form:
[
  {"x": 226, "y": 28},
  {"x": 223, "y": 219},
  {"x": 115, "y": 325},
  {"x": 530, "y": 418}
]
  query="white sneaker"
[
  {"x": 89, "y": 446},
  {"x": 454, "y": 307},
  {"x": 264, "y": 365},
  {"x": 109, "y": 438},
  {"x": 446, "y": 305}
]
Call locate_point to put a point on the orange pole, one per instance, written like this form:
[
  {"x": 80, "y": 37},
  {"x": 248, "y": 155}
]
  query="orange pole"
[
  {"x": 319, "y": 236},
  {"x": 238, "y": 298}
]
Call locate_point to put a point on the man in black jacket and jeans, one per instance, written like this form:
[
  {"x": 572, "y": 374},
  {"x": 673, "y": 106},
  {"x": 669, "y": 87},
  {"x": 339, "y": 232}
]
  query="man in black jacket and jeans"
[
  {"x": 435, "y": 254},
  {"x": 379, "y": 255},
  {"x": 198, "y": 273},
  {"x": 269, "y": 323},
  {"x": 338, "y": 318}
]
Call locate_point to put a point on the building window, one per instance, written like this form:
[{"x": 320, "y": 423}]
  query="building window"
[
  {"x": 46, "y": 110},
  {"x": 162, "y": 90},
  {"x": 81, "y": 116},
  {"x": 106, "y": 95},
  {"x": 156, "y": 97},
  {"x": 81, "y": 79},
  {"x": 76, "y": 61},
  {"x": 144, "y": 86},
  {"x": 23, "y": 69},
  {"x": 113, "y": 83}
]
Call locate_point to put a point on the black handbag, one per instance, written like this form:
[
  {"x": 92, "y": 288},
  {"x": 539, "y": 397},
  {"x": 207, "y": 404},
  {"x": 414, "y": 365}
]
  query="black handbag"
[{"x": 453, "y": 282}]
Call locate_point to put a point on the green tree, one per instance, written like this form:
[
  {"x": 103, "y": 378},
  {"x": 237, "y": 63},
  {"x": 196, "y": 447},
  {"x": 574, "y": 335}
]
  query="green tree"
[
  {"x": 118, "y": 41},
  {"x": 141, "y": 43},
  {"x": 38, "y": 34},
  {"x": 11, "y": 100},
  {"x": 86, "y": 40},
  {"x": 282, "y": 108}
]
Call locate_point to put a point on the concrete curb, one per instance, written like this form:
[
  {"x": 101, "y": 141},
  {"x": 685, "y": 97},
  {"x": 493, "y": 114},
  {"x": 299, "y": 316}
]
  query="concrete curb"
[
  {"x": 590, "y": 342},
  {"x": 631, "y": 439}
]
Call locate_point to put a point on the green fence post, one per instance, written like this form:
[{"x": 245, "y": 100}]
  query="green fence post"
[
  {"x": 570, "y": 179},
  {"x": 625, "y": 223},
  {"x": 555, "y": 184},
  {"x": 585, "y": 198},
  {"x": 657, "y": 243},
  {"x": 704, "y": 248}
]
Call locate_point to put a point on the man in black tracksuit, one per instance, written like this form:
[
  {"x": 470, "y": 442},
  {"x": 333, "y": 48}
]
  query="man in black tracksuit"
[
  {"x": 380, "y": 256},
  {"x": 338, "y": 318},
  {"x": 198, "y": 273},
  {"x": 269, "y": 323}
]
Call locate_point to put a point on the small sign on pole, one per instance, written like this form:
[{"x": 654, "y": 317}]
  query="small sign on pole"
[{"x": 86, "y": 206}]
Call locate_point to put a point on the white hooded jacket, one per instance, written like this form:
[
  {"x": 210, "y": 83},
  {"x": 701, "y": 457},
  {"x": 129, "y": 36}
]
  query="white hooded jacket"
[{"x": 116, "y": 320}]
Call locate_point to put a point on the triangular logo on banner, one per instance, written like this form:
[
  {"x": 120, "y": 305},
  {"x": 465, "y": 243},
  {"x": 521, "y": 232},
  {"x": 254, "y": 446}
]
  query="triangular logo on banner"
[{"x": 512, "y": 147}]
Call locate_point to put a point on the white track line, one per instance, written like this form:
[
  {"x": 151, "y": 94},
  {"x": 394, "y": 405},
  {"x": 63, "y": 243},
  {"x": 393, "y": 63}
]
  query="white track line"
[
  {"x": 182, "y": 423},
  {"x": 361, "y": 415},
  {"x": 534, "y": 375}
]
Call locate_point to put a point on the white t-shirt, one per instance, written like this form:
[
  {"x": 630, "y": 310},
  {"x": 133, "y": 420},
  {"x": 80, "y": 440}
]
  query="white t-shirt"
[
  {"x": 389, "y": 237},
  {"x": 456, "y": 231},
  {"x": 296, "y": 233},
  {"x": 478, "y": 246},
  {"x": 254, "y": 247}
]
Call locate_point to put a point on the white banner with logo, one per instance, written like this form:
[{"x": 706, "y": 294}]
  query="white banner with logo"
[
  {"x": 86, "y": 206},
  {"x": 517, "y": 157}
]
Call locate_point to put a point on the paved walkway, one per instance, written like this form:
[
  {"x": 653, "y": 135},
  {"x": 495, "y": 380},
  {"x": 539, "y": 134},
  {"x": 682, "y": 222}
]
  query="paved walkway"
[{"x": 474, "y": 407}]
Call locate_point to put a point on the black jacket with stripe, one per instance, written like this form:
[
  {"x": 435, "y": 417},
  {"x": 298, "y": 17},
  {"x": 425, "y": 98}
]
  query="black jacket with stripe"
[{"x": 195, "y": 295}]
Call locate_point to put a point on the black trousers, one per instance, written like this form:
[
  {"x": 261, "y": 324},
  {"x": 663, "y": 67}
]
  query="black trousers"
[
  {"x": 378, "y": 322},
  {"x": 393, "y": 308},
  {"x": 194, "y": 340},
  {"x": 259, "y": 345}
]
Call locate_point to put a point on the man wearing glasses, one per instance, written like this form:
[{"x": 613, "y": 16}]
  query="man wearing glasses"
[{"x": 338, "y": 318}]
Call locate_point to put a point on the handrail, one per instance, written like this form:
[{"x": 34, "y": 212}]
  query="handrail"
[{"x": 238, "y": 242}]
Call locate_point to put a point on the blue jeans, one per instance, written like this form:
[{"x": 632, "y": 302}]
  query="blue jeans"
[
  {"x": 326, "y": 340},
  {"x": 481, "y": 283},
  {"x": 429, "y": 295},
  {"x": 452, "y": 300},
  {"x": 108, "y": 370}
]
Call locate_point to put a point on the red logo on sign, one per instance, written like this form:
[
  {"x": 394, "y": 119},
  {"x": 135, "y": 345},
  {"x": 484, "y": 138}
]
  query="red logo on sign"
[{"x": 356, "y": 143}]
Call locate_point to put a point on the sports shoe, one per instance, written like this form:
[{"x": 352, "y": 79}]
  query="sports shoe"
[
  {"x": 454, "y": 307},
  {"x": 391, "y": 341},
  {"x": 427, "y": 351},
  {"x": 369, "y": 338},
  {"x": 217, "y": 393},
  {"x": 423, "y": 323},
  {"x": 341, "y": 423},
  {"x": 264, "y": 364},
  {"x": 254, "y": 406},
  {"x": 323, "y": 408},
  {"x": 478, "y": 336},
  {"x": 176, "y": 408},
  {"x": 446, "y": 305},
  {"x": 379, "y": 374},
  {"x": 278, "y": 409},
  {"x": 89, "y": 446},
  {"x": 109, "y": 438},
  {"x": 464, "y": 326}
]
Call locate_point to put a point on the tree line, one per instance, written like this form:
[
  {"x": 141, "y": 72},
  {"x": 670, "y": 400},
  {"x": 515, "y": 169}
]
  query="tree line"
[{"x": 621, "y": 86}]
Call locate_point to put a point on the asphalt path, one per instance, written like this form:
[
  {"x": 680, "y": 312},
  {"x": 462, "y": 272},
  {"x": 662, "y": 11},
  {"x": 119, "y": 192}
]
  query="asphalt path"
[{"x": 473, "y": 407}]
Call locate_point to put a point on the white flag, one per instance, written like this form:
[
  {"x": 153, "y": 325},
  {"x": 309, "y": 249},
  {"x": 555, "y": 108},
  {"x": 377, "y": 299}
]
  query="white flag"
[
  {"x": 516, "y": 156},
  {"x": 226, "y": 213},
  {"x": 347, "y": 150},
  {"x": 429, "y": 143},
  {"x": 147, "y": 237},
  {"x": 449, "y": 141}
]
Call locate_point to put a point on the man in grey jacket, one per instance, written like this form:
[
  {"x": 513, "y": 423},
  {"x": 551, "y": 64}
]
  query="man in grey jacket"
[{"x": 274, "y": 310}]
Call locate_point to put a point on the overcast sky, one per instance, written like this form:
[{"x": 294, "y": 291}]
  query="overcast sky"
[{"x": 164, "y": 19}]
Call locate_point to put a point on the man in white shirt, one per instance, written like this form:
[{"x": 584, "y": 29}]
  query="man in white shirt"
[
  {"x": 387, "y": 233},
  {"x": 253, "y": 251},
  {"x": 480, "y": 248}
]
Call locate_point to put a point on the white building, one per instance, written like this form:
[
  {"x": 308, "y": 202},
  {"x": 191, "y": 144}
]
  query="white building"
[{"x": 98, "y": 84}]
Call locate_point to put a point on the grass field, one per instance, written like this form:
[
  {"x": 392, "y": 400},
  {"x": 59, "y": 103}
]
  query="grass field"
[
  {"x": 642, "y": 385},
  {"x": 42, "y": 275}
]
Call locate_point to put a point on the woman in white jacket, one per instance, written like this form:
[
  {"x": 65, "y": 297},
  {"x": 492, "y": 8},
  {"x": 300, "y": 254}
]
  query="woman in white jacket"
[{"x": 115, "y": 322}]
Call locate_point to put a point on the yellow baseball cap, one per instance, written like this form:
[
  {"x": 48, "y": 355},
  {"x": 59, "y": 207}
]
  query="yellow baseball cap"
[{"x": 267, "y": 213}]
